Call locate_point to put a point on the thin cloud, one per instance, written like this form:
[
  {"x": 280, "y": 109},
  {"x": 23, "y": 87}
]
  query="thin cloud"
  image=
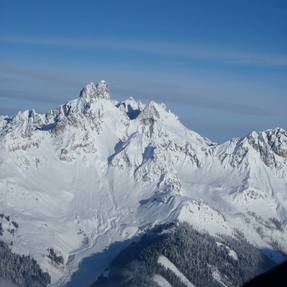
[
  {"x": 170, "y": 98},
  {"x": 36, "y": 74},
  {"x": 184, "y": 50},
  {"x": 30, "y": 96},
  {"x": 207, "y": 94},
  {"x": 199, "y": 101}
]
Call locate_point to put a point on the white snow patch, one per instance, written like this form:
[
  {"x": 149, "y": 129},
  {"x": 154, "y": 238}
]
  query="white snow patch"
[
  {"x": 217, "y": 276},
  {"x": 230, "y": 251},
  {"x": 165, "y": 262},
  {"x": 161, "y": 281},
  {"x": 202, "y": 217}
]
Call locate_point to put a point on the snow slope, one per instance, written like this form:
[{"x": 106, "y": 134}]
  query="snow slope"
[
  {"x": 161, "y": 281},
  {"x": 95, "y": 171},
  {"x": 166, "y": 263}
]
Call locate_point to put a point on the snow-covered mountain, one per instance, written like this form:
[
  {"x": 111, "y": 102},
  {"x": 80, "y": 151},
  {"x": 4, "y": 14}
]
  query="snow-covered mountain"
[{"x": 96, "y": 171}]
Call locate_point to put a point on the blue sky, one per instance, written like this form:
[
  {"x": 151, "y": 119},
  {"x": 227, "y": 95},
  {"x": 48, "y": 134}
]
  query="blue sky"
[{"x": 221, "y": 66}]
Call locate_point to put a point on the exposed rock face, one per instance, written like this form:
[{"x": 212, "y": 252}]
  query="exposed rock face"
[{"x": 92, "y": 91}]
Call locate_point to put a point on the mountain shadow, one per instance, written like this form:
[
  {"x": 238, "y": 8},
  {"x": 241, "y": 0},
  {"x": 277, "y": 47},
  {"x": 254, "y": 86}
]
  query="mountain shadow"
[{"x": 275, "y": 277}]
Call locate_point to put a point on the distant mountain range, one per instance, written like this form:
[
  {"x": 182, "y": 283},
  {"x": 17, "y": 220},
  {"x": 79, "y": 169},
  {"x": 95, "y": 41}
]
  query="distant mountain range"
[{"x": 81, "y": 183}]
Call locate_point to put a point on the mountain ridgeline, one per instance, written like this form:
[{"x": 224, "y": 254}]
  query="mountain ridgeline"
[{"x": 95, "y": 171}]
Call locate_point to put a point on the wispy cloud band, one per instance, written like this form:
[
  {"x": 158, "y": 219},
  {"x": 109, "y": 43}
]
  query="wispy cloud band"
[{"x": 183, "y": 50}]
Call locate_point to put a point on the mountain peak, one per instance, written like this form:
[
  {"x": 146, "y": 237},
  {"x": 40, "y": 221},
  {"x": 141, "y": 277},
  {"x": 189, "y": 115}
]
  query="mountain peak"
[
  {"x": 99, "y": 90},
  {"x": 153, "y": 111},
  {"x": 270, "y": 140},
  {"x": 131, "y": 107}
]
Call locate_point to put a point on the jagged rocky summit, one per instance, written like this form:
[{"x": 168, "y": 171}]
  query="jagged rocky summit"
[{"x": 95, "y": 171}]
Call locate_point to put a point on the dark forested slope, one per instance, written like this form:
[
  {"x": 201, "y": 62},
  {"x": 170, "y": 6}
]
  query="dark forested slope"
[
  {"x": 22, "y": 270},
  {"x": 202, "y": 259}
]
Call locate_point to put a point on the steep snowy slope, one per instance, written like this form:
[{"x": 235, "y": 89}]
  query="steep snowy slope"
[{"x": 95, "y": 171}]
